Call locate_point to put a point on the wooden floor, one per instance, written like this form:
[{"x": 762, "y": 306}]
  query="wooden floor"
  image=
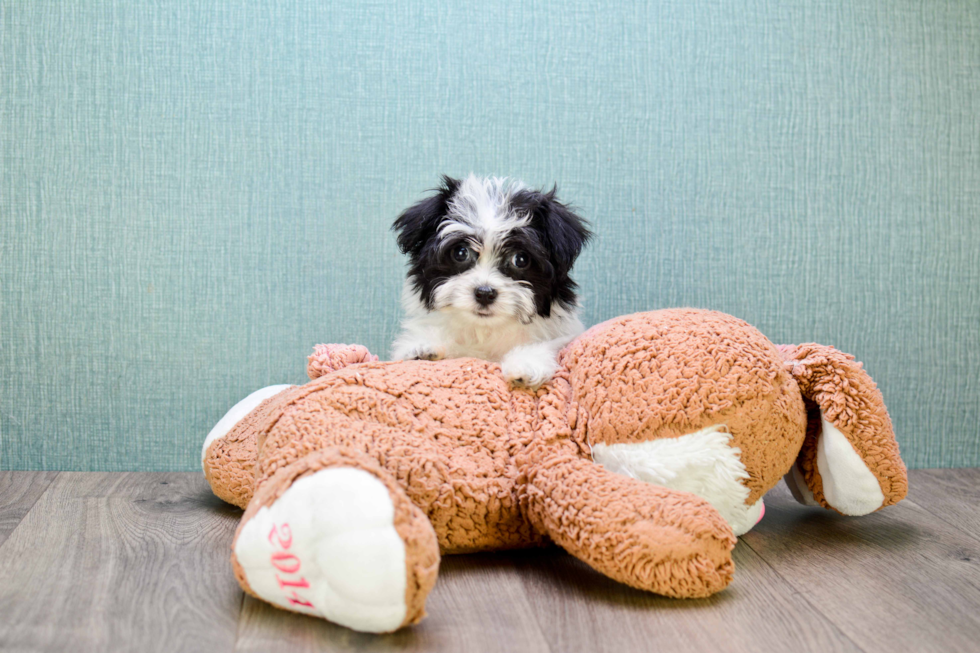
[{"x": 139, "y": 562}]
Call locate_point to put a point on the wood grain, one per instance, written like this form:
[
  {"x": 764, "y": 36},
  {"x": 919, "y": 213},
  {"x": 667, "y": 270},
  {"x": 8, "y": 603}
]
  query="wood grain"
[
  {"x": 121, "y": 562},
  {"x": 952, "y": 495},
  {"x": 581, "y": 610},
  {"x": 18, "y": 493},
  {"x": 139, "y": 561},
  {"x": 897, "y": 580},
  {"x": 478, "y": 605}
]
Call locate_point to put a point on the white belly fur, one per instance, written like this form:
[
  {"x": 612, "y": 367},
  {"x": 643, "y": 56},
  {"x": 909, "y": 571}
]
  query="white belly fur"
[{"x": 702, "y": 463}]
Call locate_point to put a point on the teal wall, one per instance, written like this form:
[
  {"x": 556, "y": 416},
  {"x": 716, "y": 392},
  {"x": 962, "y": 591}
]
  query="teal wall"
[{"x": 193, "y": 194}]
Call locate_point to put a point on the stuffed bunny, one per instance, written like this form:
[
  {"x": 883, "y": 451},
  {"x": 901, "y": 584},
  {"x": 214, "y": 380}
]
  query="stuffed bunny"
[{"x": 649, "y": 451}]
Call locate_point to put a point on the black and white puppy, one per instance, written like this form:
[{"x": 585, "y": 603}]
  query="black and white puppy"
[{"x": 488, "y": 276}]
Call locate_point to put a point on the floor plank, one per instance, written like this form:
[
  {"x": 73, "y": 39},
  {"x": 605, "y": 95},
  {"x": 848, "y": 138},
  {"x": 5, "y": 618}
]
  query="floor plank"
[
  {"x": 953, "y": 495},
  {"x": 140, "y": 562},
  {"x": 897, "y": 580},
  {"x": 18, "y": 493},
  {"x": 478, "y": 605},
  {"x": 121, "y": 562},
  {"x": 581, "y": 610}
]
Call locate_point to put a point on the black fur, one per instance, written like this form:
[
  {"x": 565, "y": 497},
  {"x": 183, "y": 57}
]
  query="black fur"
[
  {"x": 553, "y": 240},
  {"x": 418, "y": 224},
  {"x": 557, "y": 237},
  {"x": 430, "y": 262}
]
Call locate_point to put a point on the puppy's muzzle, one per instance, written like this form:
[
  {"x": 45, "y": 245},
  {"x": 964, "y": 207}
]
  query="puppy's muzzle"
[{"x": 485, "y": 295}]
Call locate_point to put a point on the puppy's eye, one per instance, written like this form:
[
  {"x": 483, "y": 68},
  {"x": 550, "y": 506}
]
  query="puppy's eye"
[
  {"x": 520, "y": 260},
  {"x": 461, "y": 253}
]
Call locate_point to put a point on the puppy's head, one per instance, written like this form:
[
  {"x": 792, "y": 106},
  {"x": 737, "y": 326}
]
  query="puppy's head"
[{"x": 492, "y": 249}]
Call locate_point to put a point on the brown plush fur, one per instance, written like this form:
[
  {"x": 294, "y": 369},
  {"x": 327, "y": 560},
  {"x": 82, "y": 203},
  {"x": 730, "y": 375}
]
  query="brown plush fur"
[
  {"x": 487, "y": 466},
  {"x": 836, "y": 386}
]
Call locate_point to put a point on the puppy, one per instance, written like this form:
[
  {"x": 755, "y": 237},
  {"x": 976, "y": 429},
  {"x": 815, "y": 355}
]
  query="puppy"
[{"x": 489, "y": 261}]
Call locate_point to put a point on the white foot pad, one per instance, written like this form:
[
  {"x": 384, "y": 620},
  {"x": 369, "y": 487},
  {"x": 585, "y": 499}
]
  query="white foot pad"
[{"x": 328, "y": 547}]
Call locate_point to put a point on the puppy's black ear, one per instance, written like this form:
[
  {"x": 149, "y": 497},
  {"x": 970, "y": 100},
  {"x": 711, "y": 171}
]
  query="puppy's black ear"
[
  {"x": 419, "y": 223},
  {"x": 564, "y": 231}
]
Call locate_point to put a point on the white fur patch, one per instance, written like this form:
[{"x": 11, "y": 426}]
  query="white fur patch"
[
  {"x": 329, "y": 547},
  {"x": 481, "y": 207},
  {"x": 532, "y": 365},
  {"x": 515, "y": 299},
  {"x": 237, "y": 412},
  {"x": 848, "y": 484},
  {"x": 451, "y": 333},
  {"x": 702, "y": 463}
]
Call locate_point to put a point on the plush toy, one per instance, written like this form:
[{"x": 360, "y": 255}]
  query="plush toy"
[{"x": 645, "y": 456}]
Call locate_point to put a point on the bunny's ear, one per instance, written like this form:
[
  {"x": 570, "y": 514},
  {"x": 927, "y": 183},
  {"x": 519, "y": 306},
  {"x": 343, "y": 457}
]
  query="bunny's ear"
[{"x": 850, "y": 460}]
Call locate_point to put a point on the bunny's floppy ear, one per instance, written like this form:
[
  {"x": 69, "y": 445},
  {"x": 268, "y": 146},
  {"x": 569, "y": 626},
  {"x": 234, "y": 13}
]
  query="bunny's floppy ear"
[{"x": 849, "y": 461}]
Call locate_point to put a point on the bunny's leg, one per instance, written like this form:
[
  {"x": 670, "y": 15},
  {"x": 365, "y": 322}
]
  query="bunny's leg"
[
  {"x": 649, "y": 537},
  {"x": 704, "y": 463},
  {"x": 332, "y": 535}
]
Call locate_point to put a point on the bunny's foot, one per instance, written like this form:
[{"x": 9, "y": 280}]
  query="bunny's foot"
[{"x": 331, "y": 535}]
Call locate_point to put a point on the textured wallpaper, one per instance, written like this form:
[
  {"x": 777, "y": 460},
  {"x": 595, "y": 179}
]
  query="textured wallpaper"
[{"x": 192, "y": 194}]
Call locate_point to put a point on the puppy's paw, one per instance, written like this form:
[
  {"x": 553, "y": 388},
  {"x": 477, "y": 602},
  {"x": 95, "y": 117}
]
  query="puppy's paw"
[
  {"x": 423, "y": 354},
  {"x": 529, "y": 367},
  {"x": 418, "y": 352}
]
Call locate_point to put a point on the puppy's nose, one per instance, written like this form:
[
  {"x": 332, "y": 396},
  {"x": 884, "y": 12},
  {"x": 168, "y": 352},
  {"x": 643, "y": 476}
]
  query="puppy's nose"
[{"x": 485, "y": 295}]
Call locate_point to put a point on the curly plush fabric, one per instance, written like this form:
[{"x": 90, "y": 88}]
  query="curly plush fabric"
[
  {"x": 646, "y": 536},
  {"x": 837, "y": 388},
  {"x": 330, "y": 358},
  {"x": 478, "y": 465},
  {"x": 440, "y": 429},
  {"x": 698, "y": 368},
  {"x": 229, "y": 464}
]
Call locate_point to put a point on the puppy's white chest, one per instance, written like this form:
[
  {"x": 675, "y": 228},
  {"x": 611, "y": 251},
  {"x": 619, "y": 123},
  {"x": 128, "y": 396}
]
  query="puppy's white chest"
[{"x": 487, "y": 342}]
